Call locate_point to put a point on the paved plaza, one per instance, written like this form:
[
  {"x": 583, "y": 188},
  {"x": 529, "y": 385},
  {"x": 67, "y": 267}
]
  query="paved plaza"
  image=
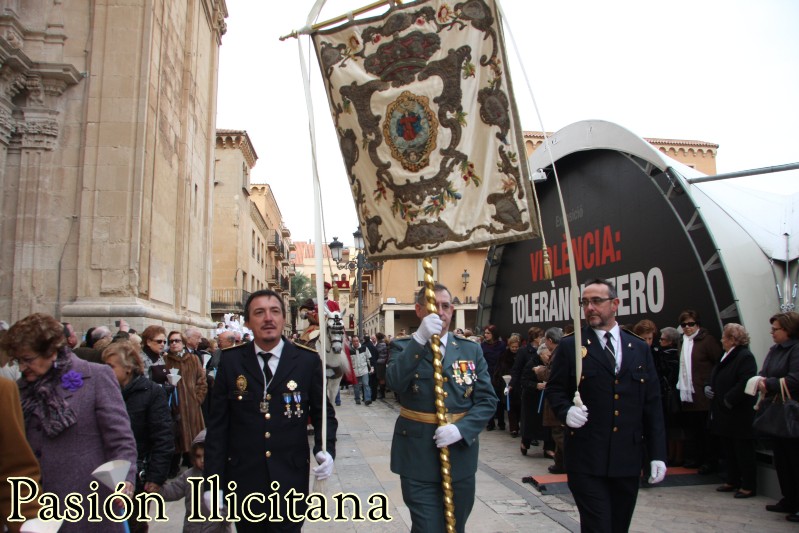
[{"x": 504, "y": 503}]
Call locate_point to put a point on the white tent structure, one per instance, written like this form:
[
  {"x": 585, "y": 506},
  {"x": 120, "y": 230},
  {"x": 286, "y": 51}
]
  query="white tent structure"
[{"x": 754, "y": 233}]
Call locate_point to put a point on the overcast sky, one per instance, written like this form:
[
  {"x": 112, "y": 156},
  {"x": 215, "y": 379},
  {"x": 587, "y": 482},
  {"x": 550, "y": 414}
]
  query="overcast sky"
[{"x": 721, "y": 71}]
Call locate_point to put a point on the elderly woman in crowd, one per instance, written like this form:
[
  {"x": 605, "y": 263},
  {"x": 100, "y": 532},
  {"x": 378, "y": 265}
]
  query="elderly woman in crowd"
[
  {"x": 150, "y": 419},
  {"x": 732, "y": 413},
  {"x": 553, "y": 446},
  {"x": 190, "y": 391},
  {"x": 493, "y": 346},
  {"x": 505, "y": 368},
  {"x": 782, "y": 361},
  {"x": 667, "y": 363},
  {"x": 699, "y": 353},
  {"x": 153, "y": 341},
  {"x": 525, "y": 383},
  {"x": 75, "y": 417}
]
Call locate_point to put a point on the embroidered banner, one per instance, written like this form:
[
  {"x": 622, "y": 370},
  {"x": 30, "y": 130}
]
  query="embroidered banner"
[{"x": 422, "y": 104}]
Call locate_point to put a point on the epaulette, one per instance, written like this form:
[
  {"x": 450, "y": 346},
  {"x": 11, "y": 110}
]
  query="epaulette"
[
  {"x": 304, "y": 347},
  {"x": 461, "y": 337}
]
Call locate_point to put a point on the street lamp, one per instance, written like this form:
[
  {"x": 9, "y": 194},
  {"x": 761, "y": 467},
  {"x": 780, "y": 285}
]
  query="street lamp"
[
  {"x": 359, "y": 264},
  {"x": 465, "y": 277}
]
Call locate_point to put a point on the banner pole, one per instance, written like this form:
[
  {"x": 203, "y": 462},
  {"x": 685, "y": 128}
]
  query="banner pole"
[{"x": 441, "y": 408}]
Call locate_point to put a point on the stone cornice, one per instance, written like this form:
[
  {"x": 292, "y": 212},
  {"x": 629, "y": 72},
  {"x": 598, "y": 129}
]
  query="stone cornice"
[
  {"x": 237, "y": 139},
  {"x": 258, "y": 219},
  {"x": 53, "y": 75},
  {"x": 662, "y": 144},
  {"x": 134, "y": 307},
  {"x": 216, "y": 12}
]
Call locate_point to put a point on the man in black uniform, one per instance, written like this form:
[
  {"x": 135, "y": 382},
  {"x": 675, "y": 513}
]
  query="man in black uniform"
[
  {"x": 619, "y": 385},
  {"x": 256, "y": 434}
]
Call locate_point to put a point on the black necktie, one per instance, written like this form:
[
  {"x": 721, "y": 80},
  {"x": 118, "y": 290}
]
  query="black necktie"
[
  {"x": 609, "y": 351},
  {"x": 267, "y": 371}
]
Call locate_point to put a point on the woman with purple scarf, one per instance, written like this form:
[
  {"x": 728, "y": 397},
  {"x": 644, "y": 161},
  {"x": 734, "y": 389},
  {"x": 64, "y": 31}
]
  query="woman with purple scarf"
[{"x": 75, "y": 417}]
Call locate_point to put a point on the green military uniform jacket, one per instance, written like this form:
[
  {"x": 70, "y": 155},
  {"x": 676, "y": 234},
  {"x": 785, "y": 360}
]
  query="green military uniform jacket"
[{"x": 468, "y": 386}]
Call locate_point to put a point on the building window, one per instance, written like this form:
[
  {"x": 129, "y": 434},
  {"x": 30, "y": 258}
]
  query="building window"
[
  {"x": 420, "y": 272},
  {"x": 253, "y": 243}
]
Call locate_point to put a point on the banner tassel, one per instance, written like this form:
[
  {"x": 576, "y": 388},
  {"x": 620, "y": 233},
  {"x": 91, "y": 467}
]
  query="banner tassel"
[{"x": 547, "y": 263}]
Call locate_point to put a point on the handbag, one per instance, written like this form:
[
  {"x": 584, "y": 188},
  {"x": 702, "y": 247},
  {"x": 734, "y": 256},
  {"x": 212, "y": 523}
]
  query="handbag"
[{"x": 780, "y": 418}]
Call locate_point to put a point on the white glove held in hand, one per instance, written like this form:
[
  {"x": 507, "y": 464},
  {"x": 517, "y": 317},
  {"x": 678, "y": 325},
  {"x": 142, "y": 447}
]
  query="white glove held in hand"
[
  {"x": 507, "y": 391},
  {"x": 431, "y": 325},
  {"x": 658, "y": 472},
  {"x": 220, "y": 501},
  {"x": 709, "y": 394},
  {"x": 446, "y": 435},
  {"x": 325, "y": 467},
  {"x": 577, "y": 416}
]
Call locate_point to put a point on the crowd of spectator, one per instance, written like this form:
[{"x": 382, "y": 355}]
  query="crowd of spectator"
[{"x": 155, "y": 386}]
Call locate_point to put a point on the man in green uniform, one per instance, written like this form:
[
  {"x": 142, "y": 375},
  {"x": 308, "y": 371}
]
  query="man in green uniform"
[{"x": 470, "y": 402}]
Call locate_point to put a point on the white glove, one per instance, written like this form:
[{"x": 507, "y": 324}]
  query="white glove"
[
  {"x": 709, "y": 392},
  {"x": 325, "y": 467},
  {"x": 219, "y": 502},
  {"x": 431, "y": 325},
  {"x": 446, "y": 435},
  {"x": 577, "y": 416},
  {"x": 658, "y": 472},
  {"x": 507, "y": 391}
]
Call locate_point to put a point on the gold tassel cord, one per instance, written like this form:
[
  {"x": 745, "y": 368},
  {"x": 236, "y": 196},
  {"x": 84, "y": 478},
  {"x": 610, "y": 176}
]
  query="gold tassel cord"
[
  {"x": 441, "y": 408},
  {"x": 547, "y": 263}
]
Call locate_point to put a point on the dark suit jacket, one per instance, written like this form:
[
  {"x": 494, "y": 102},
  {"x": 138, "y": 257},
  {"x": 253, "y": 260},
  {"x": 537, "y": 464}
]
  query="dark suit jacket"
[
  {"x": 244, "y": 445},
  {"x": 89, "y": 354},
  {"x": 731, "y": 410},
  {"x": 410, "y": 374},
  {"x": 624, "y": 410}
]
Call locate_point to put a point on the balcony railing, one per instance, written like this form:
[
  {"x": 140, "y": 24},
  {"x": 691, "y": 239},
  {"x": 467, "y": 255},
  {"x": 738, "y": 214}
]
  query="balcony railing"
[
  {"x": 228, "y": 300},
  {"x": 272, "y": 275}
]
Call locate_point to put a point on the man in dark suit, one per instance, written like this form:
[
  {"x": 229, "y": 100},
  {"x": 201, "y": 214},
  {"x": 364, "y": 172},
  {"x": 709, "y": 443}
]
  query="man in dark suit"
[
  {"x": 621, "y": 413},
  {"x": 470, "y": 402},
  {"x": 257, "y": 434}
]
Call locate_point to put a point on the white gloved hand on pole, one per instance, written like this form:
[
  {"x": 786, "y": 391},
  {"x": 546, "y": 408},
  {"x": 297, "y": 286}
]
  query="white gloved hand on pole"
[
  {"x": 447, "y": 435},
  {"x": 431, "y": 325},
  {"x": 577, "y": 416},
  {"x": 325, "y": 468},
  {"x": 219, "y": 502},
  {"x": 658, "y": 472}
]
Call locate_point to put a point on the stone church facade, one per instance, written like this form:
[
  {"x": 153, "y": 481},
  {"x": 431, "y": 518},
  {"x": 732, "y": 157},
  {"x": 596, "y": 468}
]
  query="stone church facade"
[{"x": 107, "y": 129}]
